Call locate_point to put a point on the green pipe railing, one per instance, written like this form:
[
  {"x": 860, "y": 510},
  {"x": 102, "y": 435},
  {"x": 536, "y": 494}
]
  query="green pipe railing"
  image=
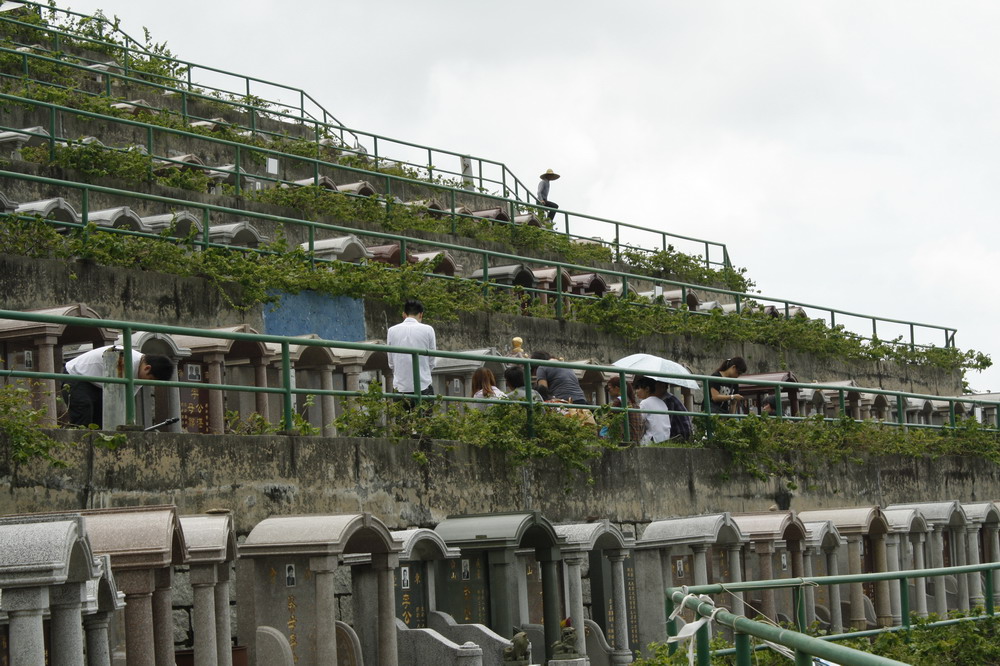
[
  {"x": 806, "y": 646},
  {"x": 129, "y": 328},
  {"x": 487, "y": 255},
  {"x": 506, "y": 177}
]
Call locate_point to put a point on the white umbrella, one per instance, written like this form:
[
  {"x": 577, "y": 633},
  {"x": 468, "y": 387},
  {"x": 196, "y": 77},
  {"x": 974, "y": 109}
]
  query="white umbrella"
[{"x": 652, "y": 365}]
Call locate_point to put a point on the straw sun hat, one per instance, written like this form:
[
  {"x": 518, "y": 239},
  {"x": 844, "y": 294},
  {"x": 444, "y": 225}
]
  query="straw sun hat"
[{"x": 549, "y": 175}]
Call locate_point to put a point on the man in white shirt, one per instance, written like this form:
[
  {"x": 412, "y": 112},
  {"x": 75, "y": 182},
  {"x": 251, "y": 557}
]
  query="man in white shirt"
[
  {"x": 411, "y": 332},
  {"x": 86, "y": 399}
]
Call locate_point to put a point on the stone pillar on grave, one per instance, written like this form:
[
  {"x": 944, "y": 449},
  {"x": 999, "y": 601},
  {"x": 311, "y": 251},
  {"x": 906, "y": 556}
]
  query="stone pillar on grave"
[
  {"x": 858, "y": 619},
  {"x": 836, "y": 611},
  {"x": 223, "y": 620},
  {"x": 892, "y": 560},
  {"x": 323, "y": 569},
  {"x": 66, "y": 604},
  {"x": 163, "y": 617},
  {"x": 327, "y": 403},
  {"x": 958, "y": 537},
  {"x": 46, "y": 345},
  {"x": 24, "y": 607},
  {"x": 216, "y": 399},
  {"x": 622, "y": 654},
  {"x": 548, "y": 559},
  {"x": 700, "y": 551},
  {"x": 204, "y": 578},
  {"x": 883, "y": 608},
  {"x": 138, "y": 585},
  {"x": 919, "y": 584},
  {"x": 993, "y": 535},
  {"x": 574, "y": 592},
  {"x": 384, "y": 564},
  {"x": 736, "y": 575},
  {"x": 810, "y": 591},
  {"x": 937, "y": 562},
  {"x": 260, "y": 381},
  {"x": 765, "y": 571},
  {"x": 974, "y": 580},
  {"x": 95, "y": 627}
]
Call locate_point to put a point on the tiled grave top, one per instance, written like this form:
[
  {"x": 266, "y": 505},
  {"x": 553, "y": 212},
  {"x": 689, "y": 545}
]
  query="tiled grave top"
[
  {"x": 905, "y": 520},
  {"x": 710, "y": 529},
  {"x": 851, "y": 520},
  {"x": 44, "y": 550},
  {"x": 982, "y": 512},
  {"x": 937, "y": 513},
  {"x": 593, "y": 536},
  {"x": 209, "y": 538},
  {"x": 822, "y": 534},
  {"x": 319, "y": 535},
  {"x": 143, "y": 537},
  {"x": 773, "y": 525},
  {"x": 498, "y": 530}
]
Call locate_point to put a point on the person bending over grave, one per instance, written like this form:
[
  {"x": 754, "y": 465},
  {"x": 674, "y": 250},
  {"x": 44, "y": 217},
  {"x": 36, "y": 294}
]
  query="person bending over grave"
[
  {"x": 86, "y": 399},
  {"x": 561, "y": 382}
]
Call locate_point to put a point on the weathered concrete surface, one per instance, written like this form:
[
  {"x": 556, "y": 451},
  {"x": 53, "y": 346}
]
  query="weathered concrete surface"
[
  {"x": 260, "y": 476},
  {"x": 158, "y": 298}
]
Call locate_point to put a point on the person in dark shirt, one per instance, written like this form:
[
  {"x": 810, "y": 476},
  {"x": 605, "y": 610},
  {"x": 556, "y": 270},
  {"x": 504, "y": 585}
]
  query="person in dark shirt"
[
  {"x": 723, "y": 395},
  {"x": 560, "y": 382}
]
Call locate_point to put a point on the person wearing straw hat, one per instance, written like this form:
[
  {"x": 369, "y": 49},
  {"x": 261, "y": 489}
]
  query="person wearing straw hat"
[{"x": 543, "y": 192}]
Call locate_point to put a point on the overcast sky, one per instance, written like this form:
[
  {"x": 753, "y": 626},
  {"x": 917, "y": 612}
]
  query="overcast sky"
[{"x": 811, "y": 137}]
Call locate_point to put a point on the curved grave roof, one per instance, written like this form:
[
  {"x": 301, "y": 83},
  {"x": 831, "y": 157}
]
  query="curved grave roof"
[
  {"x": 822, "y": 534},
  {"x": 209, "y": 538},
  {"x": 44, "y": 550},
  {"x": 982, "y": 512},
  {"x": 710, "y": 529},
  {"x": 938, "y": 513},
  {"x": 334, "y": 534},
  {"x": 772, "y": 526},
  {"x": 905, "y": 521},
  {"x": 498, "y": 530},
  {"x": 851, "y": 520},
  {"x": 141, "y": 537},
  {"x": 598, "y": 535}
]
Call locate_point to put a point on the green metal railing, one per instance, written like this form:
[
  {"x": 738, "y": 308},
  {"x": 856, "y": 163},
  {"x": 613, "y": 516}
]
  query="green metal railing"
[
  {"x": 390, "y": 182},
  {"x": 628, "y": 280},
  {"x": 805, "y": 646},
  {"x": 287, "y": 390},
  {"x": 506, "y": 181}
]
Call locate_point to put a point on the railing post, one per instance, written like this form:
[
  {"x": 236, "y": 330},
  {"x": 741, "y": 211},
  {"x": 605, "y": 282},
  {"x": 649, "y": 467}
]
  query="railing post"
[
  {"x": 900, "y": 412},
  {"x": 286, "y": 381},
  {"x": 843, "y": 405},
  {"x": 236, "y": 171},
  {"x": 904, "y": 601},
  {"x": 704, "y": 646},
  {"x": 415, "y": 361},
  {"x": 668, "y": 608},
  {"x": 129, "y": 376},
  {"x": 951, "y": 413},
  {"x": 528, "y": 390},
  {"x": 744, "y": 655},
  {"x": 204, "y": 229},
  {"x": 913, "y": 340},
  {"x": 988, "y": 592},
  {"x": 800, "y": 608},
  {"x": 52, "y": 133},
  {"x": 623, "y": 396},
  {"x": 706, "y": 404},
  {"x": 559, "y": 293},
  {"x": 779, "y": 410}
]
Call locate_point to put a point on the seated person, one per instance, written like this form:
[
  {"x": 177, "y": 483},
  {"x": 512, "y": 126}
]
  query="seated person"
[
  {"x": 514, "y": 377},
  {"x": 656, "y": 426}
]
